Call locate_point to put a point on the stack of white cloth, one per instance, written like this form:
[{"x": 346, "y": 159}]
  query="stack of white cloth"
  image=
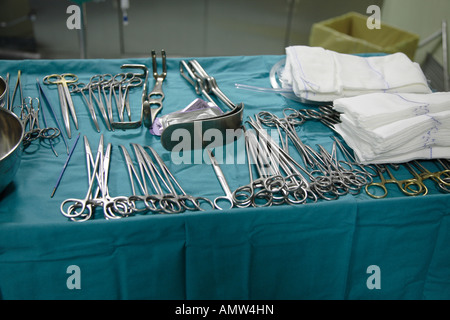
[
  {"x": 317, "y": 74},
  {"x": 394, "y": 127}
]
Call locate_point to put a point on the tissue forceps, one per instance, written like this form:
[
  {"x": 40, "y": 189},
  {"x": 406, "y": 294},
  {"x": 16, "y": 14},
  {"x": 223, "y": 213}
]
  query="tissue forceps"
[
  {"x": 65, "y": 99},
  {"x": 156, "y": 96}
]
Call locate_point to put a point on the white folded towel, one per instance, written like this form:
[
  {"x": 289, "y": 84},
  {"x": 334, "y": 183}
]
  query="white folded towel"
[
  {"x": 318, "y": 74},
  {"x": 371, "y": 110},
  {"x": 391, "y": 128}
]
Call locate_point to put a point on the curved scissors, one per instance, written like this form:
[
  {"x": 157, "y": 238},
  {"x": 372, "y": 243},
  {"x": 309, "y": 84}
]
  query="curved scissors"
[{"x": 65, "y": 99}]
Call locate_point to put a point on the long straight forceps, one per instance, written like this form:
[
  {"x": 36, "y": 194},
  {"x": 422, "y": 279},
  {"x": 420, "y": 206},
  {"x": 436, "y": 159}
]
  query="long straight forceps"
[
  {"x": 65, "y": 99},
  {"x": 156, "y": 96}
]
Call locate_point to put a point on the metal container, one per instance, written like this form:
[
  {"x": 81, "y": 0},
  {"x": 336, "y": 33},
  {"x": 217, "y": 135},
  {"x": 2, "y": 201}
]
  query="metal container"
[
  {"x": 3, "y": 92},
  {"x": 11, "y": 136}
]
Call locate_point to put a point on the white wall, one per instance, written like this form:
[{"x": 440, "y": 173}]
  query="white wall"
[
  {"x": 420, "y": 17},
  {"x": 185, "y": 27}
]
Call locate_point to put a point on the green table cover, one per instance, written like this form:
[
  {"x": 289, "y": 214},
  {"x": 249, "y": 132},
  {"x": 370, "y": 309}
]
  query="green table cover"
[{"x": 320, "y": 250}]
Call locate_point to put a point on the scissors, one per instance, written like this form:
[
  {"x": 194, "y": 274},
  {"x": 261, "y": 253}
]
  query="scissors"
[
  {"x": 223, "y": 182},
  {"x": 410, "y": 187},
  {"x": 65, "y": 99}
]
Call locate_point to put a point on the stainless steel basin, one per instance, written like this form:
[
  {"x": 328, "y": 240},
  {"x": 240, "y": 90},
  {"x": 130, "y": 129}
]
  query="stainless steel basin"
[{"x": 11, "y": 135}]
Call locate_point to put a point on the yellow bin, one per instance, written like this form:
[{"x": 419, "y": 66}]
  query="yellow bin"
[{"x": 349, "y": 34}]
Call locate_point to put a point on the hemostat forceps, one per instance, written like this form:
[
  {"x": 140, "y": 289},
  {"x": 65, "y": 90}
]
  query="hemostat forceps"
[{"x": 156, "y": 96}]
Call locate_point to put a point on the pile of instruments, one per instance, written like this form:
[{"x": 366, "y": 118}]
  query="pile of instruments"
[{"x": 282, "y": 168}]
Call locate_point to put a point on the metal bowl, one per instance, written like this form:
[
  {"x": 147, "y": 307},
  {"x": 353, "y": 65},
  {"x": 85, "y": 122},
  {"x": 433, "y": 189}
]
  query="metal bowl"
[
  {"x": 11, "y": 135},
  {"x": 3, "y": 92}
]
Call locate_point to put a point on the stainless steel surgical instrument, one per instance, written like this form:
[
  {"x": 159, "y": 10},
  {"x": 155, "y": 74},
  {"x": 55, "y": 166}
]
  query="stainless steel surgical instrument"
[
  {"x": 223, "y": 182},
  {"x": 29, "y": 115},
  {"x": 84, "y": 209},
  {"x": 80, "y": 87},
  {"x": 166, "y": 197},
  {"x": 204, "y": 84},
  {"x": 409, "y": 187},
  {"x": 144, "y": 99},
  {"x": 95, "y": 84},
  {"x": 43, "y": 95},
  {"x": 65, "y": 99},
  {"x": 65, "y": 166},
  {"x": 156, "y": 96}
]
